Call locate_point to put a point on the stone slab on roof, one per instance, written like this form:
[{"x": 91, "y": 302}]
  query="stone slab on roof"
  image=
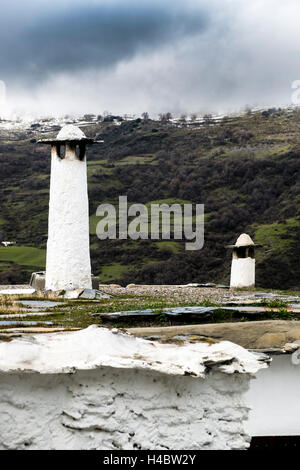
[{"x": 264, "y": 335}]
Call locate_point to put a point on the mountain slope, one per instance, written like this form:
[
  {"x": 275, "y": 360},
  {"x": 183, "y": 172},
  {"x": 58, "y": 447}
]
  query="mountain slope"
[{"x": 244, "y": 169}]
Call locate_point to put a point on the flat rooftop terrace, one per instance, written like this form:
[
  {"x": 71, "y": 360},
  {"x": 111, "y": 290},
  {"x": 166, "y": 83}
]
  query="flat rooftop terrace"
[{"x": 254, "y": 319}]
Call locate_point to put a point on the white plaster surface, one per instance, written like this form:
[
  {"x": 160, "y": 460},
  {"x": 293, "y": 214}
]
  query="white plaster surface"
[
  {"x": 274, "y": 399},
  {"x": 244, "y": 240},
  {"x": 97, "y": 347},
  {"x": 70, "y": 132},
  {"x": 68, "y": 263},
  {"x": 99, "y": 389},
  {"x": 122, "y": 409},
  {"x": 102, "y": 389},
  {"x": 242, "y": 272}
]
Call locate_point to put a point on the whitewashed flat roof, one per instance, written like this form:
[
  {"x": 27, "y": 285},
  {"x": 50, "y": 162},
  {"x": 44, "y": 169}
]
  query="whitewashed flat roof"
[{"x": 97, "y": 347}]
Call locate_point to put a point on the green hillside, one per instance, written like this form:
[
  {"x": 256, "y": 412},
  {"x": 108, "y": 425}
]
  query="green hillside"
[
  {"x": 23, "y": 255},
  {"x": 244, "y": 169}
]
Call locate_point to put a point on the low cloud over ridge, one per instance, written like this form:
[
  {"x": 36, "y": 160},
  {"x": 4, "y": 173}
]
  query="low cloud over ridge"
[{"x": 87, "y": 56}]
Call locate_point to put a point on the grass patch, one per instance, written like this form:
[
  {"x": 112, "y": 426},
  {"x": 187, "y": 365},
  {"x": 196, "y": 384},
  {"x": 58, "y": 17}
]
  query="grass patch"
[
  {"x": 276, "y": 236},
  {"x": 113, "y": 272},
  {"x": 172, "y": 246},
  {"x": 24, "y": 255},
  {"x": 137, "y": 160},
  {"x": 276, "y": 303}
]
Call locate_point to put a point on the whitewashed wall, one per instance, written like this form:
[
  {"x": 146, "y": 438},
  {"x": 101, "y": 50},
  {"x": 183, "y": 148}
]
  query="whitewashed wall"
[
  {"x": 122, "y": 409},
  {"x": 275, "y": 399},
  {"x": 242, "y": 272},
  {"x": 102, "y": 389}
]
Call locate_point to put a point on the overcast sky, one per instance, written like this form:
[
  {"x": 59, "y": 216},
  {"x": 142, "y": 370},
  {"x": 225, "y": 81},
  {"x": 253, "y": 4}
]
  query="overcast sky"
[{"x": 128, "y": 56}]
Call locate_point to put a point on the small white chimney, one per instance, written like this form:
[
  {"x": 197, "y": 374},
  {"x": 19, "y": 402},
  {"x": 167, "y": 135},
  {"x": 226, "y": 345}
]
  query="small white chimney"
[
  {"x": 68, "y": 264},
  {"x": 243, "y": 262}
]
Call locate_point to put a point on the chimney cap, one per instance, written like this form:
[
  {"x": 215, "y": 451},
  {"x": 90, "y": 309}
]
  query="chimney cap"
[
  {"x": 243, "y": 240},
  {"x": 68, "y": 133}
]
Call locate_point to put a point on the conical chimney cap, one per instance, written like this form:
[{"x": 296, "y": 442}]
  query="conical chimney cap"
[
  {"x": 71, "y": 132},
  {"x": 243, "y": 240},
  {"x": 68, "y": 133}
]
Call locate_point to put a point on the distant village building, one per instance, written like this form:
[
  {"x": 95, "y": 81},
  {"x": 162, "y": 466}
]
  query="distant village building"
[
  {"x": 6, "y": 244},
  {"x": 243, "y": 262},
  {"x": 68, "y": 264}
]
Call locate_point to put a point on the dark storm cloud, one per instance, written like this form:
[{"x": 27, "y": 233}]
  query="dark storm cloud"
[
  {"x": 129, "y": 56},
  {"x": 68, "y": 36}
]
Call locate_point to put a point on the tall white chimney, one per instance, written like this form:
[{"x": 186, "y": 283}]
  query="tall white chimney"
[{"x": 68, "y": 264}]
